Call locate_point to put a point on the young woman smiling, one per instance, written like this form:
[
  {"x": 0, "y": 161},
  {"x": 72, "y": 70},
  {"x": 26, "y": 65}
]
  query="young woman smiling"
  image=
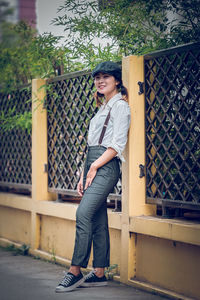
[{"x": 107, "y": 138}]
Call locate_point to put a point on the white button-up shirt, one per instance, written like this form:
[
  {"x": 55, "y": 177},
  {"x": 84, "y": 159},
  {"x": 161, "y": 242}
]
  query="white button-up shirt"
[{"x": 118, "y": 125}]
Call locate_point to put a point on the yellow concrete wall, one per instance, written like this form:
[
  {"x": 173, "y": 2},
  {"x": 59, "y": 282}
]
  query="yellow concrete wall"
[
  {"x": 170, "y": 264},
  {"x": 15, "y": 225},
  {"x": 115, "y": 248},
  {"x": 57, "y": 236}
]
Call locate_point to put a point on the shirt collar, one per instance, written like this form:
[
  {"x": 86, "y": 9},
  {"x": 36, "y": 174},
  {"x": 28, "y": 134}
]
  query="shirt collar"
[{"x": 114, "y": 99}]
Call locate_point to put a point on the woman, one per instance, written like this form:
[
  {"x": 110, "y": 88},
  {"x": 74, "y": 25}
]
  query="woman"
[{"x": 106, "y": 140}]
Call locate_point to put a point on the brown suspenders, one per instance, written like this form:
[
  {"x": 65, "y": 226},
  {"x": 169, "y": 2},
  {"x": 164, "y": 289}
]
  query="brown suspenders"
[{"x": 105, "y": 126}]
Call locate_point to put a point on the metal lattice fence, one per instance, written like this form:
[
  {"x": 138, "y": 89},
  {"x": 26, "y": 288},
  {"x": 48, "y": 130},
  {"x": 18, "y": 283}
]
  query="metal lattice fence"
[
  {"x": 15, "y": 144},
  {"x": 172, "y": 90},
  {"x": 70, "y": 106}
]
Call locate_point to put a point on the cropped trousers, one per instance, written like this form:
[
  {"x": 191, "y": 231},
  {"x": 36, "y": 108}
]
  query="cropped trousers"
[{"x": 91, "y": 215}]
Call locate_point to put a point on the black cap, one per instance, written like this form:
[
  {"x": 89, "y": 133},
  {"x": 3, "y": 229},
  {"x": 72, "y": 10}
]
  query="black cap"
[{"x": 108, "y": 67}]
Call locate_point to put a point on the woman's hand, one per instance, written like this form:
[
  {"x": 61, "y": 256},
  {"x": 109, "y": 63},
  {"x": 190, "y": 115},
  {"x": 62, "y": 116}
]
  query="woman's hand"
[
  {"x": 102, "y": 160},
  {"x": 80, "y": 186},
  {"x": 90, "y": 175}
]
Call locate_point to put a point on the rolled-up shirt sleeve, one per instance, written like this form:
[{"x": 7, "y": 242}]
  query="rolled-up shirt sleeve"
[{"x": 121, "y": 117}]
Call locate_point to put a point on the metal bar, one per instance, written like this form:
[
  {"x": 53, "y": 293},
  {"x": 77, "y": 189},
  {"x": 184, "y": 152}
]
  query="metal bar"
[
  {"x": 181, "y": 204},
  {"x": 172, "y": 50},
  {"x": 63, "y": 191},
  {"x": 16, "y": 185},
  {"x": 75, "y": 193},
  {"x": 114, "y": 197},
  {"x": 68, "y": 76},
  {"x": 173, "y": 203}
]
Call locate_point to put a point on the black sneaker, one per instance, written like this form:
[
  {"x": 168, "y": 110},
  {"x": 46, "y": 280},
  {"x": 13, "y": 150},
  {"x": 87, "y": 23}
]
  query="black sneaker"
[
  {"x": 69, "y": 282},
  {"x": 92, "y": 280}
]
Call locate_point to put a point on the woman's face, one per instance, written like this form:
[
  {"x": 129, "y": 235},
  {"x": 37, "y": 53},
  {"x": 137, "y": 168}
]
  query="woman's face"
[{"x": 106, "y": 84}]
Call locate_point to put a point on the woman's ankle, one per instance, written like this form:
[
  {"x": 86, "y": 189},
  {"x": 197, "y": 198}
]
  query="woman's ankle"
[
  {"x": 99, "y": 272},
  {"x": 75, "y": 270}
]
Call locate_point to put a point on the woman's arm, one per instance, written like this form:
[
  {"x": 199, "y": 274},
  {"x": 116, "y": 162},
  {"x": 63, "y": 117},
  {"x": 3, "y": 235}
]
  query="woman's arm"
[{"x": 102, "y": 160}]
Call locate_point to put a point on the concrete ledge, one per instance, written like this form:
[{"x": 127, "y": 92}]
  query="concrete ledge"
[
  {"x": 16, "y": 201},
  {"x": 65, "y": 211},
  {"x": 156, "y": 290},
  {"x": 153, "y": 289},
  {"x": 41, "y": 254},
  {"x": 175, "y": 230},
  {"x": 5, "y": 243},
  {"x": 55, "y": 209},
  {"x": 50, "y": 257},
  {"x": 35, "y": 252}
]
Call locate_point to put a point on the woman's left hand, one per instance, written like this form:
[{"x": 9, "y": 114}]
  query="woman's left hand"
[{"x": 90, "y": 176}]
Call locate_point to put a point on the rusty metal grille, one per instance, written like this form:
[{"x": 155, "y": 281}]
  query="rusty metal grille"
[
  {"x": 70, "y": 106},
  {"x": 172, "y": 90},
  {"x": 15, "y": 144}
]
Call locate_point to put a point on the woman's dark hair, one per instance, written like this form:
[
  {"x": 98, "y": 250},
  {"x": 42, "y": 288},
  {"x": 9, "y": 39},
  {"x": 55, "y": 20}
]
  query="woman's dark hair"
[{"x": 121, "y": 89}]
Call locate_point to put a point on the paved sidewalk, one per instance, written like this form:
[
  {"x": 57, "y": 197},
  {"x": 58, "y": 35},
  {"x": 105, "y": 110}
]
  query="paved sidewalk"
[{"x": 23, "y": 277}]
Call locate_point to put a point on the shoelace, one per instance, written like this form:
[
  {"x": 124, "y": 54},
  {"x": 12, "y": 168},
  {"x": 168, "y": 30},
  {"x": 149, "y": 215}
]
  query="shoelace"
[
  {"x": 66, "y": 280},
  {"x": 90, "y": 275}
]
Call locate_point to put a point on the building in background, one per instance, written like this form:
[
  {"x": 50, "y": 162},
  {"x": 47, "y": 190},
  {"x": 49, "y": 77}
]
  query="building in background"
[
  {"x": 23, "y": 10},
  {"x": 36, "y": 13}
]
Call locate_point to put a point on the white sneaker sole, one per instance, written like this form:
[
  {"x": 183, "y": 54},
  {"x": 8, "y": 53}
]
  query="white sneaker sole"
[{"x": 62, "y": 289}]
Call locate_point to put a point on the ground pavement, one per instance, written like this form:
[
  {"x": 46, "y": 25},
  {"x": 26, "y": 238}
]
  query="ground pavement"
[{"x": 23, "y": 277}]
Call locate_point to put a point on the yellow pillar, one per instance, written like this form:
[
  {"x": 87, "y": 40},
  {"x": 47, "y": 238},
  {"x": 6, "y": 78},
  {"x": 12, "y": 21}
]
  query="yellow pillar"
[
  {"x": 134, "y": 70},
  {"x": 39, "y": 157},
  {"x": 133, "y": 187}
]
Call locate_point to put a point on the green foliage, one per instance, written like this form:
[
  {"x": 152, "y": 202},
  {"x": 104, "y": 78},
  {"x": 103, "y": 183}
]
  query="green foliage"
[
  {"x": 185, "y": 27},
  {"x": 22, "y": 120},
  {"x": 132, "y": 27},
  {"x": 15, "y": 110},
  {"x": 25, "y": 55},
  {"x": 96, "y": 31},
  {"x": 53, "y": 257},
  {"x": 111, "y": 271}
]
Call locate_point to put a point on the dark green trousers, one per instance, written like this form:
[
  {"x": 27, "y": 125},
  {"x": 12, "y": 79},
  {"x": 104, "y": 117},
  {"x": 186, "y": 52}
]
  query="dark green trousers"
[{"x": 91, "y": 215}]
